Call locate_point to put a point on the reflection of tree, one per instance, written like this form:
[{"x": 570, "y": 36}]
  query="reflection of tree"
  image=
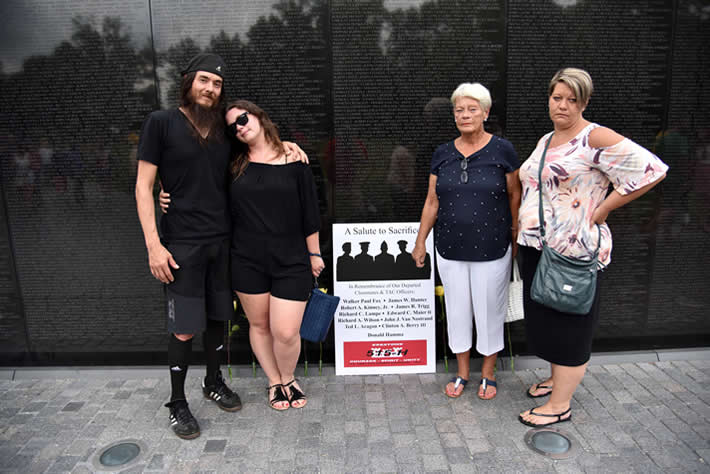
[
  {"x": 177, "y": 57},
  {"x": 282, "y": 65},
  {"x": 392, "y": 70},
  {"x": 363, "y": 77},
  {"x": 429, "y": 41},
  {"x": 93, "y": 90},
  {"x": 287, "y": 51}
]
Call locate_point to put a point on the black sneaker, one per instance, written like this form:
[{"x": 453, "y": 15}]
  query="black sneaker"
[
  {"x": 181, "y": 420},
  {"x": 222, "y": 395}
]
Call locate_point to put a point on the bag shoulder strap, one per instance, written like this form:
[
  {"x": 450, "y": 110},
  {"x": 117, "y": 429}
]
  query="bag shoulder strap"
[
  {"x": 540, "y": 209},
  {"x": 541, "y": 213}
]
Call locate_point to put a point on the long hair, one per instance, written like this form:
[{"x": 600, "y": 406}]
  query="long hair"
[
  {"x": 271, "y": 134},
  {"x": 212, "y": 118}
]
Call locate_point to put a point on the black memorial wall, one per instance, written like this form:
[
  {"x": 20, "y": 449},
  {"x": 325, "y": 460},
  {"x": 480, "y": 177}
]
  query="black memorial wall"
[{"x": 363, "y": 87}]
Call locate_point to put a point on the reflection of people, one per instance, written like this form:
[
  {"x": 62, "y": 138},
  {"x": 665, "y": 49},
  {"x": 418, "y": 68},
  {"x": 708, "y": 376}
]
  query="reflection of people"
[
  {"x": 581, "y": 161},
  {"x": 75, "y": 166},
  {"x": 345, "y": 263},
  {"x": 46, "y": 159},
  {"x": 473, "y": 199},
  {"x": 384, "y": 264},
  {"x": 275, "y": 246},
  {"x": 671, "y": 145},
  {"x": 351, "y": 155},
  {"x": 188, "y": 148},
  {"x": 400, "y": 179},
  {"x": 25, "y": 177},
  {"x": 701, "y": 178}
]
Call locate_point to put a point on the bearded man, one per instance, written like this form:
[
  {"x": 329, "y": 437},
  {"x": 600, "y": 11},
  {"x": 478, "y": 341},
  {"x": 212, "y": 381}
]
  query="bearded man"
[{"x": 188, "y": 148}]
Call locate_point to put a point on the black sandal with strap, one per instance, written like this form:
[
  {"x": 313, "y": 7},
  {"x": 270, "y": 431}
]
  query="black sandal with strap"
[
  {"x": 279, "y": 396},
  {"x": 537, "y": 387},
  {"x": 541, "y": 425},
  {"x": 296, "y": 395}
]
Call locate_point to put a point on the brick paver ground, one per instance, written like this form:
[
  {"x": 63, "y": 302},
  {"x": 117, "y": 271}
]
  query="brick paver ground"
[{"x": 629, "y": 417}]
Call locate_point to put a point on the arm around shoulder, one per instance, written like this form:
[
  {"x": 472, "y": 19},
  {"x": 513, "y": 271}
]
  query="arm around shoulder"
[{"x": 294, "y": 153}]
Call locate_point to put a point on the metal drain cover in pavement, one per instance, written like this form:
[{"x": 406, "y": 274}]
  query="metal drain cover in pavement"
[
  {"x": 552, "y": 443},
  {"x": 119, "y": 455}
]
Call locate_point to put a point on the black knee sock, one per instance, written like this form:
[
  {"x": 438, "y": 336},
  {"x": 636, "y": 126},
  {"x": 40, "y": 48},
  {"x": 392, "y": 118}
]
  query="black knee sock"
[
  {"x": 213, "y": 339},
  {"x": 179, "y": 358}
]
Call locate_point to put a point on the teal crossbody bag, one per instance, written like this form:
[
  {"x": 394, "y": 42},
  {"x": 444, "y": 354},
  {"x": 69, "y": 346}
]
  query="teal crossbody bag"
[{"x": 563, "y": 283}]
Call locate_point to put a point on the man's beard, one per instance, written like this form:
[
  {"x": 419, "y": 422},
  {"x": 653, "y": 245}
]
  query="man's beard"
[{"x": 205, "y": 118}]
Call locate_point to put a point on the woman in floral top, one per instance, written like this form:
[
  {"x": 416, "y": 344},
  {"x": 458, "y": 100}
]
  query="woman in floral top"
[{"x": 583, "y": 158}]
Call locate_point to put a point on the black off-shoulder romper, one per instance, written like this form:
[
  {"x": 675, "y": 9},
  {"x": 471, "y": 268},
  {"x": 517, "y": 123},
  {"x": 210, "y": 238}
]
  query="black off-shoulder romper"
[{"x": 274, "y": 208}]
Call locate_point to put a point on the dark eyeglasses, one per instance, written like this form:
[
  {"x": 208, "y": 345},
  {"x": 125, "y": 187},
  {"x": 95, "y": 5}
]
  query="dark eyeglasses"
[
  {"x": 242, "y": 120},
  {"x": 464, "y": 174}
]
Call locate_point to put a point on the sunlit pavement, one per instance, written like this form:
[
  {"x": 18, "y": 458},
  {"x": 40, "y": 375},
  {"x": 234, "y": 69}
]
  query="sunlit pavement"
[{"x": 627, "y": 416}]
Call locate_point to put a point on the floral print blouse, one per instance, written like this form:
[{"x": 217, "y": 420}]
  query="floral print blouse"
[{"x": 575, "y": 181}]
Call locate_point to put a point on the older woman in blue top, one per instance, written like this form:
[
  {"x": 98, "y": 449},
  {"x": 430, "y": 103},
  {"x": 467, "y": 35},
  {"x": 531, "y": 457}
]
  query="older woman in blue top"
[{"x": 472, "y": 203}]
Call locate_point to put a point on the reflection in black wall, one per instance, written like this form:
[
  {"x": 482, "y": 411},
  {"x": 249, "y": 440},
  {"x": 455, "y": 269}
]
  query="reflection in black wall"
[
  {"x": 363, "y": 87},
  {"x": 71, "y": 106},
  {"x": 681, "y": 222},
  {"x": 394, "y": 69}
]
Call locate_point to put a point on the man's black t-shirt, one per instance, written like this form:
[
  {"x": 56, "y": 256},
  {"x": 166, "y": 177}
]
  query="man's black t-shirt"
[{"x": 195, "y": 174}]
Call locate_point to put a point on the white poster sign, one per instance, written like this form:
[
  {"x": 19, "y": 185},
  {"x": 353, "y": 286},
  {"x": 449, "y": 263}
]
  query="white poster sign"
[{"x": 385, "y": 320}]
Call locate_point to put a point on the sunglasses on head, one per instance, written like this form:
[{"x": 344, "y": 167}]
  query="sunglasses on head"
[{"x": 241, "y": 121}]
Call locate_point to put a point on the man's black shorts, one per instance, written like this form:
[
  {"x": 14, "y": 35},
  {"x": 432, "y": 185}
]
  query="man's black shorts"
[{"x": 201, "y": 288}]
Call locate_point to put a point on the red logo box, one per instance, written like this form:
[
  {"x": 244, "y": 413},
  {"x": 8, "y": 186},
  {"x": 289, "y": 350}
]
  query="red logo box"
[{"x": 384, "y": 353}]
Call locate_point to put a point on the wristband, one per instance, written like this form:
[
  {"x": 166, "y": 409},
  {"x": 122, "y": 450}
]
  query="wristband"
[{"x": 314, "y": 254}]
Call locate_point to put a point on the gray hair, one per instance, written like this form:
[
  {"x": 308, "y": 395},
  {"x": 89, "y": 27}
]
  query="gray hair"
[{"x": 473, "y": 91}]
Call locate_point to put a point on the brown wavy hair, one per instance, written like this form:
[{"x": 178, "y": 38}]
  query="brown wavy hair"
[{"x": 271, "y": 133}]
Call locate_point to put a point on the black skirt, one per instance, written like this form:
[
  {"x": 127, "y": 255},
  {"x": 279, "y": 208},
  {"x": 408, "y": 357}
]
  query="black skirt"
[{"x": 559, "y": 338}]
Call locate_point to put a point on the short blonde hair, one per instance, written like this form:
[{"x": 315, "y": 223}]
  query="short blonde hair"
[
  {"x": 576, "y": 79},
  {"x": 473, "y": 91}
]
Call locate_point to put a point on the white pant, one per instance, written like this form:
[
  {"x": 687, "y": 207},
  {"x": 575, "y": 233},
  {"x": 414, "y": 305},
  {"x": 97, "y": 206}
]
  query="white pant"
[{"x": 477, "y": 289}]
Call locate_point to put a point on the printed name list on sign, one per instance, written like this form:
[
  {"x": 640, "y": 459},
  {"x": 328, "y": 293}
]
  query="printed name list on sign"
[{"x": 385, "y": 320}]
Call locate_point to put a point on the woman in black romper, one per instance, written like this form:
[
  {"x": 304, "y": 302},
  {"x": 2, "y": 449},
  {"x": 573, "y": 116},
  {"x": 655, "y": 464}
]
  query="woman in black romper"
[{"x": 275, "y": 247}]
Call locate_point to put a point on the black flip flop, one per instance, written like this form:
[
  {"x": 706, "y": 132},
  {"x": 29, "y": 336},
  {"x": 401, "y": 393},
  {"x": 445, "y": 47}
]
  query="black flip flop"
[
  {"x": 538, "y": 386},
  {"x": 542, "y": 425}
]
